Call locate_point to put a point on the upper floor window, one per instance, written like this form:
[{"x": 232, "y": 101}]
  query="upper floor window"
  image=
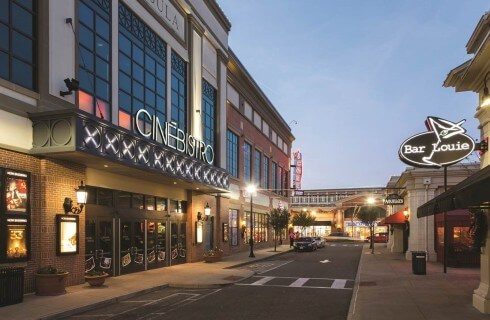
[
  {"x": 18, "y": 36},
  {"x": 232, "y": 153},
  {"x": 247, "y": 162},
  {"x": 208, "y": 114},
  {"x": 142, "y": 70},
  {"x": 94, "y": 57},
  {"x": 265, "y": 173},
  {"x": 274, "y": 176},
  {"x": 257, "y": 165},
  {"x": 179, "y": 92}
]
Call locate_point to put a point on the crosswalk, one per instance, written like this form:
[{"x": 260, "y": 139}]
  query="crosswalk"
[{"x": 297, "y": 282}]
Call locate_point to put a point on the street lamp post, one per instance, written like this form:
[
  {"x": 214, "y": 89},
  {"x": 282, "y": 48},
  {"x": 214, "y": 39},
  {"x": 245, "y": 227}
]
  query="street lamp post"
[{"x": 251, "y": 189}]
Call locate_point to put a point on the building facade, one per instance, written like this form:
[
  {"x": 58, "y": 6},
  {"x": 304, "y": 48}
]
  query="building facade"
[
  {"x": 132, "y": 98},
  {"x": 333, "y": 209},
  {"x": 258, "y": 153},
  {"x": 472, "y": 76}
]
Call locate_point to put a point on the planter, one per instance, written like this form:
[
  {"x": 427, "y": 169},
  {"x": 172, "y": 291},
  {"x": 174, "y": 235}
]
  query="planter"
[
  {"x": 51, "y": 284},
  {"x": 96, "y": 281},
  {"x": 212, "y": 259}
]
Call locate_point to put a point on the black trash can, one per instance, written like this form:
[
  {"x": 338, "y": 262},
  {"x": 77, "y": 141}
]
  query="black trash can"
[
  {"x": 419, "y": 259},
  {"x": 11, "y": 286}
]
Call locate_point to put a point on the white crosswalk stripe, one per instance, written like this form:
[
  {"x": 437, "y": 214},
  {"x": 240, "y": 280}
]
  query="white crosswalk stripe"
[{"x": 295, "y": 282}]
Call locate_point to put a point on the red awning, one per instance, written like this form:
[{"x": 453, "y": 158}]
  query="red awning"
[{"x": 397, "y": 218}]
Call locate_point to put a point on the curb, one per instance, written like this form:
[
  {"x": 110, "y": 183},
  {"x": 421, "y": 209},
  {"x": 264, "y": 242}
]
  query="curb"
[
  {"x": 99, "y": 304},
  {"x": 350, "y": 314},
  {"x": 257, "y": 259}
]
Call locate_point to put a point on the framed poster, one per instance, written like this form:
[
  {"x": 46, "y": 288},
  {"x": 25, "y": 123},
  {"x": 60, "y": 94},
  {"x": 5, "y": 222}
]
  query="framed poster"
[
  {"x": 16, "y": 191},
  {"x": 16, "y": 239},
  {"x": 225, "y": 232},
  {"x": 199, "y": 231},
  {"x": 67, "y": 236}
]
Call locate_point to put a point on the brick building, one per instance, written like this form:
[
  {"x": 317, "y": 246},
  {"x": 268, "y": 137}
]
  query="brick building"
[{"x": 134, "y": 99}]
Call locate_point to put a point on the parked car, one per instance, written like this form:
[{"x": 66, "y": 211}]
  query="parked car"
[
  {"x": 378, "y": 238},
  {"x": 320, "y": 242},
  {"x": 305, "y": 244}
]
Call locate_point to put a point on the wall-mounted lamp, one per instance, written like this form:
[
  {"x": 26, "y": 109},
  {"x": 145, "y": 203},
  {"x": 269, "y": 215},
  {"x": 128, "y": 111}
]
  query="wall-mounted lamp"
[
  {"x": 82, "y": 195},
  {"x": 406, "y": 214},
  {"x": 178, "y": 209},
  {"x": 71, "y": 85},
  {"x": 207, "y": 210},
  {"x": 199, "y": 216}
]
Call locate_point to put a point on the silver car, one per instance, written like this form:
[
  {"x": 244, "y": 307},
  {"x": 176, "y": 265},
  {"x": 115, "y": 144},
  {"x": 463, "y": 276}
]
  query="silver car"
[{"x": 320, "y": 242}]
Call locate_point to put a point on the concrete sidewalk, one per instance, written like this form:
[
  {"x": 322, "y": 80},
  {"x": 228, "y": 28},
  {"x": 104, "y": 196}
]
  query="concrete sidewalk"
[
  {"x": 191, "y": 275},
  {"x": 387, "y": 289}
]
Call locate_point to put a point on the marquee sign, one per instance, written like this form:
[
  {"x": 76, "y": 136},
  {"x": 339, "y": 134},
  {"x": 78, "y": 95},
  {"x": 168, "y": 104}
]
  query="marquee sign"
[
  {"x": 298, "y": 169},
  {"x": 444, "y": 143},
  {"x": 393, "y": 199}
]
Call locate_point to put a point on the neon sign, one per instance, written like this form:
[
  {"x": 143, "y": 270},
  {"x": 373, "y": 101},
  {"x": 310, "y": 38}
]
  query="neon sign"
[
  {"x": 444, "y": 143},
  {"x": 173, "y": 137}
]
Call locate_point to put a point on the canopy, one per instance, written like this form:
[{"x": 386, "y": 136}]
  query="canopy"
[
  {"x": 396, "y": 218},
  {"x": 473, "y": 192}
]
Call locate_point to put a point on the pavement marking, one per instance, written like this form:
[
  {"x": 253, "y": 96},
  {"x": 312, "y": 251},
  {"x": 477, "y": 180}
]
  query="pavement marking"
[
  {"x": 299, "y": 282},
  {"x": 325, "y": 261},
  {"x": 333, "y": 245},
  {"x": 262, "y": 281},
  {"x": 275, "y": 267},
  {"x": 338, "y": 284}
]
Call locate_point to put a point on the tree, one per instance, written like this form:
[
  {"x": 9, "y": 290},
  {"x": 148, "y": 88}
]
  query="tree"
[
  {"x": 278, "y": 219},
  {"x": 369, "y": 215},
  {"x": 303, "y": 219}
]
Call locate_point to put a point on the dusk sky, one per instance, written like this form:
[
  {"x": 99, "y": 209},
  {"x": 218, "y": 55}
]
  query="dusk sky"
[{"x": 359, "y": 77}]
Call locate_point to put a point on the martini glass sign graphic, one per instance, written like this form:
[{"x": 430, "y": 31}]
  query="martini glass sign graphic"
[{"x": 444, "y": 143}]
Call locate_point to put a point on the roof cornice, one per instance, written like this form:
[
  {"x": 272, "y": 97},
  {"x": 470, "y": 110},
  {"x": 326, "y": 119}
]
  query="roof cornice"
[
  {"x": 218, "y": 14},
  {"x": 478, "y": 34}
]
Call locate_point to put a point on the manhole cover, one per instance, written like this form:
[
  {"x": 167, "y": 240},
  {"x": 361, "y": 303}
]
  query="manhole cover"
[
  {"x": 233, "y": 278},
  {"x": 367, "y": 283}
]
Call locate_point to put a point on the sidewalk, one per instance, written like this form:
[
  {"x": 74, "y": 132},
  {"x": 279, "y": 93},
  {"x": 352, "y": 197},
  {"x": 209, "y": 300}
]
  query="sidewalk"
[
  {"x": 191, "y": 275},
  {"x": 387, "y": 289}
]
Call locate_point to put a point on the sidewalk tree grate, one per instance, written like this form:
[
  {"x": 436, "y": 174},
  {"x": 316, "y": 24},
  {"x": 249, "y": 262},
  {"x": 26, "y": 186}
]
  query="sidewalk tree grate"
[{"x": 367, "y": 284}]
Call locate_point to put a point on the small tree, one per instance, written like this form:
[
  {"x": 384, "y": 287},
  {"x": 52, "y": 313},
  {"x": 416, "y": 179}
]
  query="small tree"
[
  {"x": 369, "y": 215},
  {"x": 303, "y": 219},
  {"x": 278, "y": 219}
]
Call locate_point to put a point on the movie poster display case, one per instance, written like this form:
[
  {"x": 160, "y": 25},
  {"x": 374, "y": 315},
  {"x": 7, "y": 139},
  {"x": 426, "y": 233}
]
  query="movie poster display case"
[
  {"x": 14, "y": 215},
  {"x": 67, "y": 234}
]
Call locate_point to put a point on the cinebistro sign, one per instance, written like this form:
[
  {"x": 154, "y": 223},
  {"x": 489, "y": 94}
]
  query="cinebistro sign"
[
  {"x": 173, "y": 137},
  {"x": 445, "y": 143}
]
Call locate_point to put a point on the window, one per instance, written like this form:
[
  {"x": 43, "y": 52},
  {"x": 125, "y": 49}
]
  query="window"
[
  {"x": 257, "y": 120},
  {"x": 247, "y": 162},
  {"x": 274, "y": 176},
  {"x": 232, "y": 153},
  {"x": 257, "y": 162},
  {"x": 265, "y": 128},
  {"x": 179, "y": 92},
  {"x": 18, "y": 42},
  {"x": 94, "y": 57},
  {"x": 234, "y": 226},
  {"x": 261, "y": 224},
  {"x": 265, "y": 175},
  {"x": 142, "y": 71},
  {"x": 208, "y": 115},
  {"x": 280, "y": 184},
  {"x": 232, "y": 95},
  {"x": 248, "y": 111}
]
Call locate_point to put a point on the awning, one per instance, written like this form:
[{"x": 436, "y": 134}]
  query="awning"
[
  {"x": 473, "y": 192},
  {"x": 396, "y": 218}
]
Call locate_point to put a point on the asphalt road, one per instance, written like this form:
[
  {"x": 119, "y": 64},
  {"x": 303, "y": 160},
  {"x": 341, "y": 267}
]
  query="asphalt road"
[{"x": 304, "y": 285}]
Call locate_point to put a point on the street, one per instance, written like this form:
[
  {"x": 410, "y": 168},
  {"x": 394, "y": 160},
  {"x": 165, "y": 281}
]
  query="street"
[{"x": 304, "y": 285}]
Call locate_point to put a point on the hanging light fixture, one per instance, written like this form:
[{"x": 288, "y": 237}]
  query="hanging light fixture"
[{"x": 207, "y": 210}]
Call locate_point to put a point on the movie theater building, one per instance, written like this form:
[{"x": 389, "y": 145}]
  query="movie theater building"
[
  {"x": 258, "y": 153},
  {"x": 145, "y": 132}
]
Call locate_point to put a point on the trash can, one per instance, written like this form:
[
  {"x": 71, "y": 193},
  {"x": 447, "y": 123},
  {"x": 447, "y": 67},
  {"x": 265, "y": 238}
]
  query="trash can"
[
  {"x": 11, "y": 286},
  {"x": 419, "y": 262}
]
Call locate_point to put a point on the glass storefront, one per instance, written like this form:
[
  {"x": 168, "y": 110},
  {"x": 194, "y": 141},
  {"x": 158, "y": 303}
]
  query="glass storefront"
[{"x": 361, "y": 231}]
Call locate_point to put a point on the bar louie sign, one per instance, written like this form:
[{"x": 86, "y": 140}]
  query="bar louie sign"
[
  {"x": 173, "y": 137},
  {"x": 444, "y": 143}
]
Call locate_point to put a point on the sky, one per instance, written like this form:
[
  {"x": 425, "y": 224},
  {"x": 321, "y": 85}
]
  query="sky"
[{"x": 359, "y": 77}]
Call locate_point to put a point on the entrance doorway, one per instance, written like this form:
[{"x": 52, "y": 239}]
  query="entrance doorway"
[
  {"x": 132, "y": 253},
  {"x": 156, "y": 249},
  {"x": 99, "y": 244},
  {"x": 178, "y": 242}
]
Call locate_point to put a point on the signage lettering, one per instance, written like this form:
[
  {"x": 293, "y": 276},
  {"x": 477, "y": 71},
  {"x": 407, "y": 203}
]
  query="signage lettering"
[
  {"x": 393, "y": 199},
  {"x": 169, "y": 14},
  {"x": 173, "y": 137},
  {"x": 444, "y": 143}
]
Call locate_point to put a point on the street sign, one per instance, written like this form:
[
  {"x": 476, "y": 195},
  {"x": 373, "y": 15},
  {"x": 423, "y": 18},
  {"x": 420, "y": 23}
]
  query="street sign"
[
  {"x": 393, "y": 199},
  {"x": 444, "y": 143}
]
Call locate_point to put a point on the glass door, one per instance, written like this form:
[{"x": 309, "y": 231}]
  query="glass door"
[
  {"x": 156, "y": 249},
  {"x": 99, "y": 245},
  {"x": 132, "y": 251},
  {"x": 178, "y": 242}
]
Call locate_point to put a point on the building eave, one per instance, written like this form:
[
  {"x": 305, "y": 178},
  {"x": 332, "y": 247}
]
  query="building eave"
[
  {"x": 478, "y": 34},
  {"x": 219, "y": 14}
]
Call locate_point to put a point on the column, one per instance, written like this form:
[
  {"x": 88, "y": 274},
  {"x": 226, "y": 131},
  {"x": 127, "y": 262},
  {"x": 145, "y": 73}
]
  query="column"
[
  {"x": 196, "y": 32},
  {"x": 221, "y": 111}
]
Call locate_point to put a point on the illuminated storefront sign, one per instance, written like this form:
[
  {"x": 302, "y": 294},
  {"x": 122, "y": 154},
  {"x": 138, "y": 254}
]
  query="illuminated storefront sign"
[
  {"x": 393, "y": 199},
  {"x": 444, "y": 144},
  {"x": 173, "y": 137}
]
